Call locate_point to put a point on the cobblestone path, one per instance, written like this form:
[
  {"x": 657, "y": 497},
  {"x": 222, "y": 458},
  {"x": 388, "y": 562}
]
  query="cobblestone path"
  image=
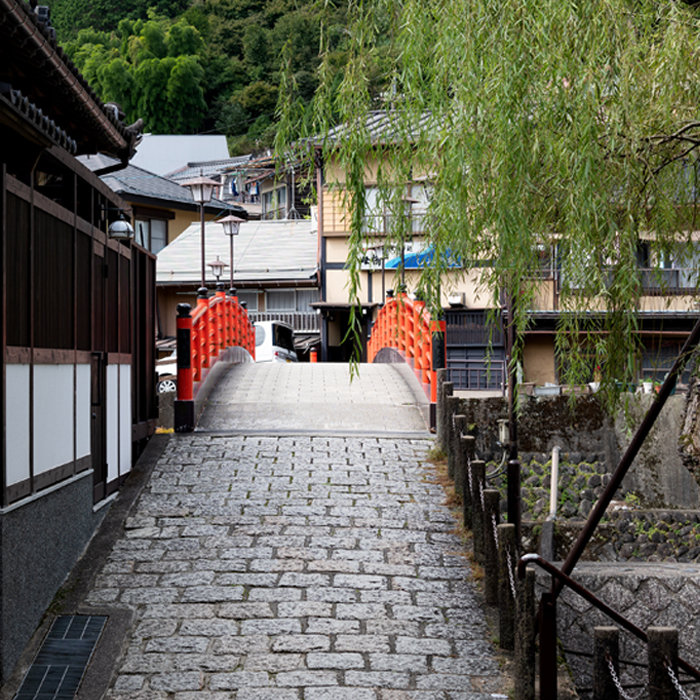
[{"x": 297, "y": 568}]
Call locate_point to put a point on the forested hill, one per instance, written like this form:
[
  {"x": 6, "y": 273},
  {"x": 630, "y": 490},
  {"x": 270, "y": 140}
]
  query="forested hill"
[{"x": 204, "y": 67}]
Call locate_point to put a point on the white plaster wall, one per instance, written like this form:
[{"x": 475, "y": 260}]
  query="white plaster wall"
[
  {"x": 124, "y": 418},
  {"x": 17, "y": 422},
  {"x": 112, "y": 415},
  {"x": 53, "y": 416},
  {"x": 83, "y": 411}
]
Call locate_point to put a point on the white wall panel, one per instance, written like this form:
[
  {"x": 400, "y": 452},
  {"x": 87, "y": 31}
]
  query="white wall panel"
[
  {"x": 83, "y": 411},
  {"x": 53, "y": 416},
  {"x": 124, "y": 418},
  {"x": 17, "y": 422},
  {"x": 112, "y": 414}
]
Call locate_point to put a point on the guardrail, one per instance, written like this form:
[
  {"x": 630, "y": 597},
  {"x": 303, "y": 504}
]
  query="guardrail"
[
  {"x": 405, "y": 325},
  {"x": 204, "y": 337},
  {"x": 477, "y": 375},
  {"x": 300, "y": 321}
]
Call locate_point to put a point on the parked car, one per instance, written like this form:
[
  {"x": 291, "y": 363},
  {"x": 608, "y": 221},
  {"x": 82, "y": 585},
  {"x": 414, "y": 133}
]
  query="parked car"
[
  {"x": 166, "y": 369},
  {"x": 274, "y": 342}
]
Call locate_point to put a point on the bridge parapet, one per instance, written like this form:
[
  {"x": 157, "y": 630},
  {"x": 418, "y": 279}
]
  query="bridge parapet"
[
  {"x": 405, "y": 326},
  {"x": 217, "y": 331}
]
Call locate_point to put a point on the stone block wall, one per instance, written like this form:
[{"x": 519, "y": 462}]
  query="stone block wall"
[{"x": 648, "y": 594}]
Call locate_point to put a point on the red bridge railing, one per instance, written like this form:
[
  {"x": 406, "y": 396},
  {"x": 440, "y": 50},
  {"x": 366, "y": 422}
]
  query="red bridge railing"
[
  {"x": 405, "y": 325},
  {"x": 205, "y": 336}
]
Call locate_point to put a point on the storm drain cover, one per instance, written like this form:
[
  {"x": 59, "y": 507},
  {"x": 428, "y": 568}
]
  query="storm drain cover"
[{"x": 61, "y": 662}]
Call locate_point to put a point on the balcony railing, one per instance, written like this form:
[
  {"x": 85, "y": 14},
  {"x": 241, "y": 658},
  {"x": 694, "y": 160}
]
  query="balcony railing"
[
  {"x": 300, "y": 321},
  {"x": 655, "y": 281}
]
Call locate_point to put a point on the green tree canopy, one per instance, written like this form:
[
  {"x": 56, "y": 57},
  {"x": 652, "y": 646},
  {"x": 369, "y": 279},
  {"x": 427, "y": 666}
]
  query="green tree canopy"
[
  {"x": 152, "y": 70},
  {"x": 542, "y": 121}
]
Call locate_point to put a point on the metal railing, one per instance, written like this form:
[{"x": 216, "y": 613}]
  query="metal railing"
[
  {"x": 548, "y": 630},
  {"x": 300, "y": 321},
  {"x": 477, "y": 375}
]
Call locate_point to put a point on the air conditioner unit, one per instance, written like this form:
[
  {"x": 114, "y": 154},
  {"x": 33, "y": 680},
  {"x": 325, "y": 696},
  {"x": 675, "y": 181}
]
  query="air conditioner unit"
[{"x": 456, "y": 299}]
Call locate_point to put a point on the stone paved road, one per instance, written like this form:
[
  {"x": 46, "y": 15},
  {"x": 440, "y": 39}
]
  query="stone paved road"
[{"x": 295, "y": 568}]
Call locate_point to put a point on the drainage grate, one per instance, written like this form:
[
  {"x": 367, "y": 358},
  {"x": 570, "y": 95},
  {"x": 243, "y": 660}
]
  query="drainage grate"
[{"x": 61, "y": 662}]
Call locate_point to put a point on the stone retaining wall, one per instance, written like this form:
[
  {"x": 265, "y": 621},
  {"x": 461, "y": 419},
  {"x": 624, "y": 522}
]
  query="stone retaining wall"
[{"x": 657, "y": 594}]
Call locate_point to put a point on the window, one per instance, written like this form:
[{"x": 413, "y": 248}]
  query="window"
[
  {"x": 282, "y": 300},
  {"x": 250, "y": 298},
  {"x": 152, "y": 234},
  {"x": 423, "y": 192},
  {"x": 305, "y": 297},
  {"x": 274, "y": 204},
  {"x": 374, "y": 211}
]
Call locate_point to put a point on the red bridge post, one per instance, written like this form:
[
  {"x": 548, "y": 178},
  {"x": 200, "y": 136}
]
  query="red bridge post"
[{"x": 184, "y": 404}]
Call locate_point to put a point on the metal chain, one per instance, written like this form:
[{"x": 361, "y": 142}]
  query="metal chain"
[
  {"x": 617, "y": 683},
  {"x": 495, "y": 529},
  {"x": 510, "y": 574},
  {"x": 675, "y": 681},
  {"x": 454, "y": 422},
  {"x": 481, "y": 494}
]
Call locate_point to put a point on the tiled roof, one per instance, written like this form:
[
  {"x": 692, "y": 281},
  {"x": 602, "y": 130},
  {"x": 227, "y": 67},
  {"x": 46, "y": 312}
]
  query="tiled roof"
[
  {"x": 32, "y": 63},
  {"x": 381, "y": 126},
  {"x": 14, "y": 99},
  {"x": 137, "y": 182},
  {"x": 206, "y": 168},
  {"x": 263, "y": 251}
]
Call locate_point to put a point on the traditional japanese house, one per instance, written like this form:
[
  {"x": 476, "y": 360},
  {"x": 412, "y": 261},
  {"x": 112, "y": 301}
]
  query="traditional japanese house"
[{"x": 78, "y": 295}]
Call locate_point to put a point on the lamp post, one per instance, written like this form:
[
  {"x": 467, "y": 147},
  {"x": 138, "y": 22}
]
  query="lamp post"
[
  {"x": 217, "y": 267},
  {"x": 231, "y": 224},
  {"x": 202, "y": 189}
]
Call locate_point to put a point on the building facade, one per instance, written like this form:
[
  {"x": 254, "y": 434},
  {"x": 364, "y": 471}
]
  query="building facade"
[{"x": 78, "y": 381}]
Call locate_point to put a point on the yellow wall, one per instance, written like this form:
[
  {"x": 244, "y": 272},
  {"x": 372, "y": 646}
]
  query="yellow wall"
[
  {"x": 167, "y": 300},
  {"x": 538, "y": 359},
  {"x": 182, "y": 220}
]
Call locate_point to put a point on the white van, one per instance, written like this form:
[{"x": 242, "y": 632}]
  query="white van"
[{"x": 274, "y": 342}]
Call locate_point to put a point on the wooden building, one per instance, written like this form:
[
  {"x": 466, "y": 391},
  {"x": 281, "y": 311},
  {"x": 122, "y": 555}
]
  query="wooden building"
[{"x": 78, "y": 381}]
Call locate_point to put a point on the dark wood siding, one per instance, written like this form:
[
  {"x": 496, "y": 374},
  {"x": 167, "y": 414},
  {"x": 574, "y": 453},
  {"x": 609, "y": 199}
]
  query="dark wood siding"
[
  {"x": 73, "y": 296},
  {"x": 53, "y": 282},
  {"x": 18, "y": 271}
]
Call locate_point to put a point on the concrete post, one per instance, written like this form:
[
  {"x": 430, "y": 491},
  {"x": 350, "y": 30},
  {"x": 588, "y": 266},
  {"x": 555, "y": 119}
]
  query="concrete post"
[
  {"x": 453, "y": 403},
  {"x": 440, "y": 379},
  {"x": 458, "y": 470},
  {"x": 467, "y": 457},
  {"x": 662, "y": 652},
  {"x": 507, "y": 557},
  {"x": 524, "y": 656},
  {"x": 606, "y": 646},
  {"x": 492, "y": 501},
  {"x": 478, "y": 471},
  {"x": 447, "y": 389}
]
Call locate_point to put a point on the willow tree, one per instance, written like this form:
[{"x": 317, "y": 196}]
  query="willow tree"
[{"x": 536, "y": 121}]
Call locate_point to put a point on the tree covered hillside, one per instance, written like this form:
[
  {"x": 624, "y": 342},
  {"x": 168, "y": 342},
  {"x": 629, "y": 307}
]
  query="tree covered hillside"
[{"x": 213, "y": 66}]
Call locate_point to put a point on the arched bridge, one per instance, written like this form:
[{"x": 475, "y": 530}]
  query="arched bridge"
[{"x": 392, "y": 395}]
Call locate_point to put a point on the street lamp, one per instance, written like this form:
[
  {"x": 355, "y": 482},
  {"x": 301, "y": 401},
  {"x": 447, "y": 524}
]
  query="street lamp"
[
  {"x": 121, "y": 229},
  {"x": 202, "y": 189},
  {"x": 217, "y": 267},
  {"x": 231, "y": 224}
]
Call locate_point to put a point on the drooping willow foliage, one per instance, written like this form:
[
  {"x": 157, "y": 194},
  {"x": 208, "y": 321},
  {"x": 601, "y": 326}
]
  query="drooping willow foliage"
[{"x": 538, "y": 123}]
